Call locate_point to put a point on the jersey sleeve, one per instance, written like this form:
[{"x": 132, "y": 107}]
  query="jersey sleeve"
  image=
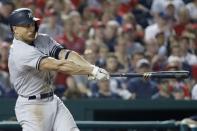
[
  {"x": 30, "y": 58},
  {"x": 54, "y": 48}
]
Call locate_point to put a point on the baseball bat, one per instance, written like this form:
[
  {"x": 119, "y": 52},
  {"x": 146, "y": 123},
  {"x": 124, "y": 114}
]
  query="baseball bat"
[{"x": 160, "y": 74}]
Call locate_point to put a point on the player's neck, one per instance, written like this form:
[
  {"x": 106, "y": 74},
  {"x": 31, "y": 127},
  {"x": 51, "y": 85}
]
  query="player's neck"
[{"x": 25, "y": 41}]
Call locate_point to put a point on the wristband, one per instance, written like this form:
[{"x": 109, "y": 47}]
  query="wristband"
[{"x": 67, "y": 53}]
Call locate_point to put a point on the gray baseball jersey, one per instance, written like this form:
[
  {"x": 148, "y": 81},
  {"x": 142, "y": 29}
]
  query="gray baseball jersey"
[{"x": 24, "y": 62}]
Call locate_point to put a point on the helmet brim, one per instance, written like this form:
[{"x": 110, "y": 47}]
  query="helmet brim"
[{"x": 36, "y": 19}]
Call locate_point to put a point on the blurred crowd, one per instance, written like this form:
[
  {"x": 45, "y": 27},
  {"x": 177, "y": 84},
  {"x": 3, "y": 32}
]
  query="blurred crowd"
[{"x": 120, "y": 36}]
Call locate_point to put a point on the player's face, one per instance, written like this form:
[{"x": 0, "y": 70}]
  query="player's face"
[{"x": 25, "y": 33}]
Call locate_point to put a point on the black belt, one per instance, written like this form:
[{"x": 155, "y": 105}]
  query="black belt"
[{"x": 42, "y": 96}]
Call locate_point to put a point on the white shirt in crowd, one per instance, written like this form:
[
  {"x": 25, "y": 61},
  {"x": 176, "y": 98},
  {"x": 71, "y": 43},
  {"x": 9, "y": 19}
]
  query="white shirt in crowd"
[
  {"x": 192, "y": 10},
  {"x": 194, "y": 92}
]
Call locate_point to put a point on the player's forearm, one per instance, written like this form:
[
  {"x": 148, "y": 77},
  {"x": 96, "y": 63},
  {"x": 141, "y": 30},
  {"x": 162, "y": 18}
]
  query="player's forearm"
[
  {"x": 82, "y": 65},
  {"x": 96, "y": 72},
  {"x": 74, "y": 56},
  {"x": 65, "y": 66},
  {"x": 70, "y": 67},
  {"x": 75, "y": 65}
]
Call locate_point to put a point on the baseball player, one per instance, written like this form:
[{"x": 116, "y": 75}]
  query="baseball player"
[{"x": 32, "y": 59}]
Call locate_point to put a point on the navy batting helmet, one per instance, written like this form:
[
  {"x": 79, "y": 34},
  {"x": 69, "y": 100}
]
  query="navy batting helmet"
[{"x": 22, "y": 16}]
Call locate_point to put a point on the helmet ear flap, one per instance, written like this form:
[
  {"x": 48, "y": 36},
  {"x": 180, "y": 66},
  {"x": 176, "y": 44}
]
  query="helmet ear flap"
[
  {"x": 36, "y": 26},
  {"x": 11, "y": 28}
]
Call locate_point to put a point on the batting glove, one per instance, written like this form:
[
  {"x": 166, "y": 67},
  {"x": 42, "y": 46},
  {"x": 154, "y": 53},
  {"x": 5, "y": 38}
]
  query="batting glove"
[{"x": 99, "y": 73}]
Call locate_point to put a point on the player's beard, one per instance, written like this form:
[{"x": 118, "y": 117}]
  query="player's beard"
[{"x": 30, "y": 37}]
